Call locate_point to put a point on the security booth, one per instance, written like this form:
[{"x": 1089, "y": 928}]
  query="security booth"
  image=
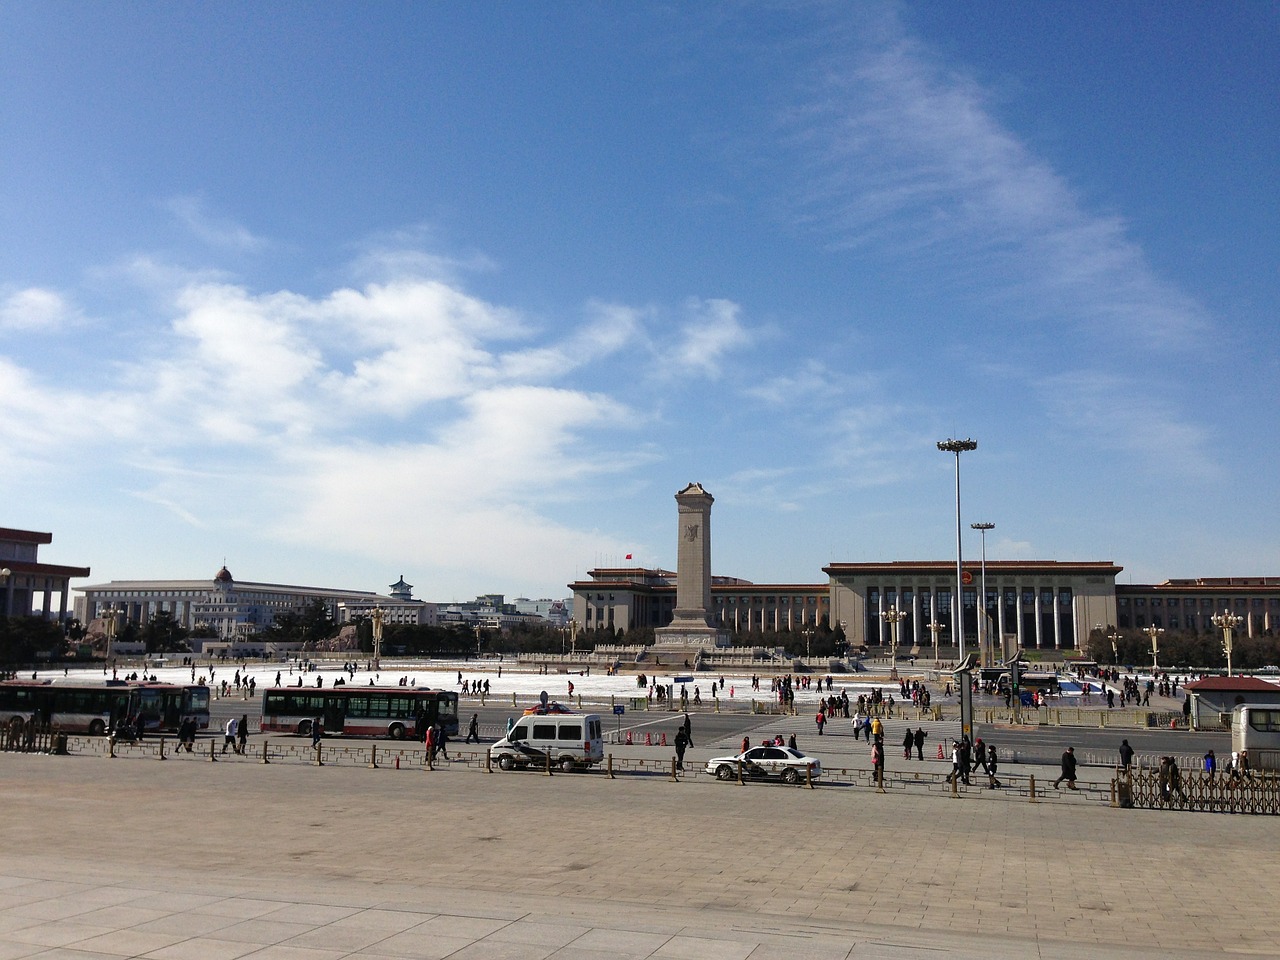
[{"x": 1213, "y": 699}]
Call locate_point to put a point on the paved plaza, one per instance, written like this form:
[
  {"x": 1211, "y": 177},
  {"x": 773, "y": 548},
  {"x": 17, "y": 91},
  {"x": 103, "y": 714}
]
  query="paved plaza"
[{"x": 191, "y": 859}]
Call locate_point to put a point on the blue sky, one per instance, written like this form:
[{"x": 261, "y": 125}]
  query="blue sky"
[{"x": 467, "y": 292}]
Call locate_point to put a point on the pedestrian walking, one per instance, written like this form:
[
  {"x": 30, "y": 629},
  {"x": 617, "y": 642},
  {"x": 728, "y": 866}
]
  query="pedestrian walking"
[
  {"x": 1068, "y": 769},
  {"x": 820, "y": 720},
  {"x": 908, "y": 741},
  {"x": 682, "y": 743},
  {"x": 918, "y": 739},
  {"x": 856, "y": 723},
  {"x": 473, "y": 728},
  {"x": 229, "y": 735},
  {"x": 1126, "y": 757},
  {"x": 992, "y": 764},
  {"x": 242, "y": 733}
]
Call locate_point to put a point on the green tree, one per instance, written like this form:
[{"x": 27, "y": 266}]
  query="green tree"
[{"x": 164, "y": 634}]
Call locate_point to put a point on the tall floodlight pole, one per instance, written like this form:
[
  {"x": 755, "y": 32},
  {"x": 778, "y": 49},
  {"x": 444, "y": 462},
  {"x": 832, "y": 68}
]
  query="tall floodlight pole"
[
  {"x": 1226, "y": 621},
  {"x": 1154, "y": 634},
  {"x": 984, "y": 629},
  {"x": 957, "y": 625}
]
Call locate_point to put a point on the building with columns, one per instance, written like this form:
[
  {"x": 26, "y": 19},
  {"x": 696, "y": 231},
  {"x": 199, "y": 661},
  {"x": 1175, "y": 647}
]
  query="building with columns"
[
  {"x": 1191, "y": 604},
  {"x": 24, "y": 579},
  {"x": 1034, "y": 604},
  {"x": 231, "y": 608}
]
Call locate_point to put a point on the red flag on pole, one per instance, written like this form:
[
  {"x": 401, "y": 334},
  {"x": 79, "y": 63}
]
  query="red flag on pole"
[{"x": 628, "y": 556}]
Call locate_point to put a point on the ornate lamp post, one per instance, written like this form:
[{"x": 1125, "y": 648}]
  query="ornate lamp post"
[
  {"x": 957, "y": 625},
  {"x": 1154, "y": 634},
  {"x": 935, "y": 628},
  {"x": 5, "y": 574},
  {"x": 808, "y": 642},
  {"x": 893, "y": 616},
  {"x": 984, "y": 630},
  {"x": 573, "y": 636},
  {"x": 377, "y": 616},
  {"x": 1226, "y": 621},
  {"x": 110, "y": 626},
  {"x": 1114, "y": 637}
]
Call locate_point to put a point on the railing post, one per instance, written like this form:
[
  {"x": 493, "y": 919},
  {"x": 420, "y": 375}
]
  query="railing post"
[
  {"x": 548, "y": 756},
  {"x": 740, "y": 780},
  {"x": 111, "y": 747},
  {"x": 1032, "y": 797},
  {"x": 162, "y": 756},
  {"x": 373, "y": 756},
  {"x": 319, "y": 761},
  {"x": 808, "y": 775},
  {"x": 264, "y": 752},
  {"x": 213, "y": 756},
  {"x": 955, "y": 788},
  {"x": 609, "y": 765},
  {"x": 488, "y": 762},
  {"x": 673, "y": 770}
]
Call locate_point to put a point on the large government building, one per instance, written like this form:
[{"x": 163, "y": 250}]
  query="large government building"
[{"x": 1033, "y": 604}]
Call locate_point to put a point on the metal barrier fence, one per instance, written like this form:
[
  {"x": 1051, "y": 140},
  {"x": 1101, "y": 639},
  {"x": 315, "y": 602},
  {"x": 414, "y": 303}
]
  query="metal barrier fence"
[
  {"x": 31, "y": 737},
  {"x": 1253, "y": 793}
]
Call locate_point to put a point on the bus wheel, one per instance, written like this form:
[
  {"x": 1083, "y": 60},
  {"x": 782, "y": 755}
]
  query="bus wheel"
[
  {"x": 304, "y": 728},
  {"x": 97, "y": 728},
  {"x": 506, "y": 762},
  {"x": 397, "y": 731}
]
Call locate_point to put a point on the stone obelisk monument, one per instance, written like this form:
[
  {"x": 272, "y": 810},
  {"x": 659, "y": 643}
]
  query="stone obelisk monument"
[{"x": 690, "y": 626}]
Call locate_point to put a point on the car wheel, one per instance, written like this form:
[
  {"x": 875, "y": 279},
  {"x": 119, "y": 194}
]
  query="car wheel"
[
  {"x": 567, "y": 765},
  {"x": 97, "y": 728},
  {"x": 790, "y": 775},
  {"x": 506, "y": 762},
  {"x": 724, "y": 772},
  {"x": 397, "y": 731},
  {"x": 304, "y": 728}
]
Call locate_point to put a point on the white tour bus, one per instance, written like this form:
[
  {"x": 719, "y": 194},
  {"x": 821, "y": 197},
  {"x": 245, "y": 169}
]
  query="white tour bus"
[{"x": 1256, "y": 727}]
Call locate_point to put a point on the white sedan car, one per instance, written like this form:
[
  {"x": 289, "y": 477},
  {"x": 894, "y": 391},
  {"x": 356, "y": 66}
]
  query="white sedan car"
[{"x": 761, "y": 762}]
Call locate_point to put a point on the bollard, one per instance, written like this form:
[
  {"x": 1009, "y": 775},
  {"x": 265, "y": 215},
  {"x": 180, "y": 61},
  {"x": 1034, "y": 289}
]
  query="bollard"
[
  {"x": 111, "y": 747},
  {"x": 740, "y": 780},
  {"x": 609, "y": 765},
  {"x": 319, "y": 759},
  {"x": 673, "y": 770},
  {"x": 488, "y": 762},
  {"x": 264, "y": 752},
  {"x": 548, "y": 763},
  {"x": 1032, "y": 797},
  {"x": 213, "y": 757},
  {"x": 955, "y": 788},
  {"x": 162, "y": 756},
  {"x": 373, "y": 757},
  {"x": 397, "y": 761},
  {"x": 1114, "y": 801},
  {"x": 880, "y": 779},
  {"x": 808, "y": 775}
]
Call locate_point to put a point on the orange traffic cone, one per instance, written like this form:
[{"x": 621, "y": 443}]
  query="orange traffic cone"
[
  {"x": 664, "y": 740},
  {"x": 648, "y": 739},
  {"x": 940, "y": 756},
  {"x": 628, "y": 738}
]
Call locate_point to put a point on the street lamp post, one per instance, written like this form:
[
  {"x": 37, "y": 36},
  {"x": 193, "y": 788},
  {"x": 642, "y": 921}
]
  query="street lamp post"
[
  {"x": 5, "y": 574},
  {"x": 377, "y": 616},
  {"x": 808, "y": 642},
  {"x": 1114, "y": 637},
  {"x": 935, "y": 628},
  {"x": 1226, "y": 621},
  {"x": 985, "y": 657},
  {"x": 109, "y": 627},
  {"x": 573, "y": 637},
  {"x": 893, "y": 616},
  {"x": 1154, "y": 634},
  {"x": 957, "y": 626}
]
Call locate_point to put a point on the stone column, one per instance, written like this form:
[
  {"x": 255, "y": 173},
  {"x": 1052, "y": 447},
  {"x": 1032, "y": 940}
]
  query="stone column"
[{"x": 693, "y": 557}]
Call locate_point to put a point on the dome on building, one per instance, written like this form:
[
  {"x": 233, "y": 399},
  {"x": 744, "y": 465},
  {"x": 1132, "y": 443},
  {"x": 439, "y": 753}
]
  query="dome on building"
[{"x": 223, "y": 575}]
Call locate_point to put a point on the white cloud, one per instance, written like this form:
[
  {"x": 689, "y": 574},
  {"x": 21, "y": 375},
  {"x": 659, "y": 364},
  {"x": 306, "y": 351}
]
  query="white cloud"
[
  {"x": 711, "y": 332},
  {"x": 904, "y": 154},
  {"x": 216, "y": 231},
  {"x": 36, "y": 309}
]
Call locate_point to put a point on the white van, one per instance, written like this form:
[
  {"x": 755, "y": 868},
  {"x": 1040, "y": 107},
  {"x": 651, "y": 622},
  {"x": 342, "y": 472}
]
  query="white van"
[{"x": 571, "y": 740}]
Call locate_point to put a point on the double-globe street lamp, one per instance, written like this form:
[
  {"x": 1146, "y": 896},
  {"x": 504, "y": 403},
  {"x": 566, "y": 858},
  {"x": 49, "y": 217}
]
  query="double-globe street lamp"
[
  {"x": 957, "y": 624},
  {"x": 1226, "y": 621},
  {"x": 987, "y": 653},
  {"x": 377, "y": 616},
  {"x": 109, "y": 626},
  {"x": 1114, "y": 637},
  {"x": 1154, "y": 633},
  {"x": 893, "y": 616}
]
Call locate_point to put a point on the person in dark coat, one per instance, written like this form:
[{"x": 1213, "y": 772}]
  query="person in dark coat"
[
  {"x": 918, "y": 739},
  {"x": 1068, "y": 769},
  {"x": 908, "y": 740}
]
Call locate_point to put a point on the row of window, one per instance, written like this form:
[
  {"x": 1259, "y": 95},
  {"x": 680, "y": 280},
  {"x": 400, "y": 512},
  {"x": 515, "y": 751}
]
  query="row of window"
[
  {"x": 733, "y": 601},
  {"x": 1206, "y": 603}
]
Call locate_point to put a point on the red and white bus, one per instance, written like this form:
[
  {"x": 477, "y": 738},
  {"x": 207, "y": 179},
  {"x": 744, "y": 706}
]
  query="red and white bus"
[
  {"x": 395, "y": 712},
  {"x": 92, "y": 707}
]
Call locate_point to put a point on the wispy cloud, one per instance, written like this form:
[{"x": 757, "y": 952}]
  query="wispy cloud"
[
  {"x": 710, "y": 333},
  {"x": 36, "y": 310},
  {"x": 903, "y": 154},
  {"x": 216, "y": 231}
]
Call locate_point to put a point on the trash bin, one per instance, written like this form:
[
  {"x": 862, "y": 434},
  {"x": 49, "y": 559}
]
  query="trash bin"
[{"x": 60, "y": 744}]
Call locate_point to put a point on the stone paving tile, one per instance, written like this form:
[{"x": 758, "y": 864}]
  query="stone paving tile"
[
  {"x": 536, "y": 933},
  {"x": 201, "y": 948},
  {"x": 419, "y": 946},
  {"x": 499, "y": 950},
  {"x": 263, "y": 931},
  {"x": 128, "y": 943},
  {"x": 9, "y": 950},
  {"x": 57, "y": 933}
]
